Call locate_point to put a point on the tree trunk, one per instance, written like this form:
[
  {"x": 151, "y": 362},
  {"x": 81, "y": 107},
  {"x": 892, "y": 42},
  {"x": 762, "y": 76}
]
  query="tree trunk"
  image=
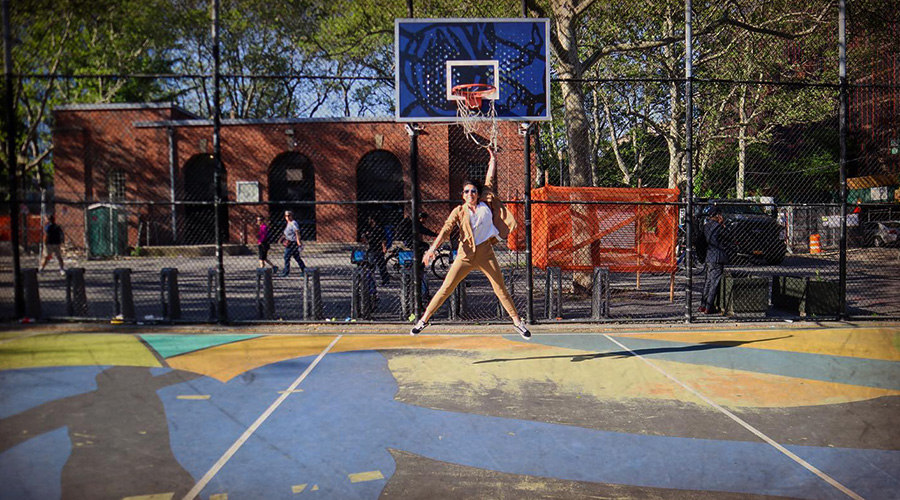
[{"x": 742, "y": 142}]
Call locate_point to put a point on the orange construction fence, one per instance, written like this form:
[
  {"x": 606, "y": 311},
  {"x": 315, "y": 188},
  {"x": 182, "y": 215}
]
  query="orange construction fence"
[
  {"x": 596, "y": 227},
  {"x": 34, "y": 229}
]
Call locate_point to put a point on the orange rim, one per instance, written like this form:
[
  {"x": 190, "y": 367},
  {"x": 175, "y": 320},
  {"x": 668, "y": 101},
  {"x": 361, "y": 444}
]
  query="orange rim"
[{"x": 473, "y": 93}]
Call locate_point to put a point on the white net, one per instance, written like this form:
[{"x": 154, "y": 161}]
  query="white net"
[{"x": 479, "y": 123}]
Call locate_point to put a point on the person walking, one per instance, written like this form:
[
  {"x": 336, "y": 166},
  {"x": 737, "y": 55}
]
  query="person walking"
[
  {"x": 262, "y": 243},
  {"x": 718, "y": 247},
  {"x": 292, "y": 243},
  {"x": 53, "y": 238},
  {"x": 483, "y": 221}
]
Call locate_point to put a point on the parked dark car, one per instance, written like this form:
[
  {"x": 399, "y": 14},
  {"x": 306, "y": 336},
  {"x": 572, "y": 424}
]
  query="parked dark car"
[
  {"x": 881, "y": 233},
  {"x": 756, "y": 234}
]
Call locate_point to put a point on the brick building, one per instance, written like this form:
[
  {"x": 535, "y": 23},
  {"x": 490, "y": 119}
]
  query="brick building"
[{"x": 150, "y": 167}]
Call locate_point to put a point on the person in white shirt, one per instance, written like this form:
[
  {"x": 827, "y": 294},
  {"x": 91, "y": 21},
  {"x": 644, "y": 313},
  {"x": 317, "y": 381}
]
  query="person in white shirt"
[{"x": 483, "y": 221}]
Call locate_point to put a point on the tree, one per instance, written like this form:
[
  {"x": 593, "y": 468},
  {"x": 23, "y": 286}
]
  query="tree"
[{"x": 74, "y": 39}]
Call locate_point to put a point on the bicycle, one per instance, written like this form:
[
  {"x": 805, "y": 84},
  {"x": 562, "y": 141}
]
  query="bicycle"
[{"x": 443, "y": 259}]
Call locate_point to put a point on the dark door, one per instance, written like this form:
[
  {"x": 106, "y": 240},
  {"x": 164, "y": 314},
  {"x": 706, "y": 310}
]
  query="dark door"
[
  {"x": 292, "y": 180},
  {"x": 199, "y": 213}
]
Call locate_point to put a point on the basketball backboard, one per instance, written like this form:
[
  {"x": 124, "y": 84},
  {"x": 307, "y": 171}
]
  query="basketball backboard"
[{"x": 431, "y": 56}]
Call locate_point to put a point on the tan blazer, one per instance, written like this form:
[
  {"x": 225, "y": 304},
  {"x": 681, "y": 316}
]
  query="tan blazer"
[{"x": 504, "y": 220}]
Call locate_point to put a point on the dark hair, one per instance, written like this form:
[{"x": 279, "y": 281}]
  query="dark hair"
[
  {"x": 474, "y": 183},
  {"x": 713, "y": 210},
  {"x": 423, "y": 215}
]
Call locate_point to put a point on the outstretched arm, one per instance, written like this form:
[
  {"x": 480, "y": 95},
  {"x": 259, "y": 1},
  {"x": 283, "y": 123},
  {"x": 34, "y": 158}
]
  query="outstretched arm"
[
  {"x": 490, "y": 178},
  {"x": 445, "y": 231}
]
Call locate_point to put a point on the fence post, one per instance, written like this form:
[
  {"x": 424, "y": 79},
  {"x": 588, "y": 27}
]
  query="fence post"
[
  {"x": 843, "y": 126},
  {"x": 123, "y": 300},
  {"x": 32, "y": 293},
  {"x": 312, "y": 294},
  {"x": 600, "y": 294},
  {"x": 553, "y": 298},
  {"x": 76, "y": 296},
  {"x": 689, "y": 164},
  {"x": 168, "y": 293},
  {"x": 221, "y": 307},
  {"x": 9, "y": 105},
  {"x": 212, "y": 293}
]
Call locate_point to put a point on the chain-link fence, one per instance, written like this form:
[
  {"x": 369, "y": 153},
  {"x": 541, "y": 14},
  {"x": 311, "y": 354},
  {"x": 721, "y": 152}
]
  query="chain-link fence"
[{"x": 183, "y": 165}]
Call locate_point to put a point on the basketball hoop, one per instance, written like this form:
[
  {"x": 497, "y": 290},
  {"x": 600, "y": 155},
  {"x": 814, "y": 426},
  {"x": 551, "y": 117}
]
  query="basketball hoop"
[
  {"x": 473, "y": 93},
  {"x": 478, "y": 124}
]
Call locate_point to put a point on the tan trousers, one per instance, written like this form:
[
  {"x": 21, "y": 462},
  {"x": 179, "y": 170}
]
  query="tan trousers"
[{"x": 483, "y": 260}]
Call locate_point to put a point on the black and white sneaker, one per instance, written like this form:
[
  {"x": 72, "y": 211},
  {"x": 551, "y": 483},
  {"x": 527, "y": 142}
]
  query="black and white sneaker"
[
  {"x": 421, "y": 325},
  {"x": 523, "y": 331}
]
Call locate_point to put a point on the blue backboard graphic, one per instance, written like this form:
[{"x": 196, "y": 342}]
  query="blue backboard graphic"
[{"x": 431, "y": 56}]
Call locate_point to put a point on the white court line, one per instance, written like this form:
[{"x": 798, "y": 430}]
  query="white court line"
[
  {"x": 828, "y": 479},
  {"x": 250, "y": 430}
]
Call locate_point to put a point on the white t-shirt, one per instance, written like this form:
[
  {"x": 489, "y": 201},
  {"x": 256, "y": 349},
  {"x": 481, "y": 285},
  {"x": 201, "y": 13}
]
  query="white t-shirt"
[{"x": 482, "y": 221}]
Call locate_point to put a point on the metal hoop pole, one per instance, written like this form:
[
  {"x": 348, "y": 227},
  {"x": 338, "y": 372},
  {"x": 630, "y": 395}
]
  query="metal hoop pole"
[{"x": 529, "y": 272}]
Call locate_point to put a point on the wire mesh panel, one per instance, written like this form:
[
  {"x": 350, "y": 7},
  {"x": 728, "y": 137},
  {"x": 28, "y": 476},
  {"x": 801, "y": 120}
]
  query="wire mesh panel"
[{"x": 156, "y": 145}]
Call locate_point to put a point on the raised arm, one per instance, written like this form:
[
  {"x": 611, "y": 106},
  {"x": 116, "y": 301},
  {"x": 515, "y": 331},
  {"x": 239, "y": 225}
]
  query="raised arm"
[{"x": 490, "y": 178}]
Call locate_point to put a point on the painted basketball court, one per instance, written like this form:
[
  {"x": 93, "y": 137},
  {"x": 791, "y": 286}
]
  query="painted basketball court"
[{"x": 459, "y": 412}]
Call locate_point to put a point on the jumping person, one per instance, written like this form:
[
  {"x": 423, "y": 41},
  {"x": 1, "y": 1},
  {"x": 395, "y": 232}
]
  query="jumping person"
[{"x": 483, "y": 221}]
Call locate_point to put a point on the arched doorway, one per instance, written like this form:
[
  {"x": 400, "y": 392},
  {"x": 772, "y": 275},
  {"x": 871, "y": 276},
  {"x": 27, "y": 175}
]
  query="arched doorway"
[
  {"x": 379, "y": 176},
  {"x": 200, "y": 220},
  {"x": 292, "y": 179}
]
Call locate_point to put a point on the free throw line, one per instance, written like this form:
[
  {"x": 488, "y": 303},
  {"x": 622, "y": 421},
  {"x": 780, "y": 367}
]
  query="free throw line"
[
  {"x": 808, "y": 466},
  {"x": 250, "y": 430}
]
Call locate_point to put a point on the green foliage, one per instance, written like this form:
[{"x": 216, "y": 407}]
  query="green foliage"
[{"x": 341, "y": 40}]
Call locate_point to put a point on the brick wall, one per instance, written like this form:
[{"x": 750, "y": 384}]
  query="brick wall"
[{"x": 144, "y": 140}]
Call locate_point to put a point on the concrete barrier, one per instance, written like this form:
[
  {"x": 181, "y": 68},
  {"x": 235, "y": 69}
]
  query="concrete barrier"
[
  {"x": 265, "y": 294},
  {"x": 168, "y": 293},
  {"x": 76, "y": 295},
  {"x": 312, "y": 294},
  {"x": 123, "y": 299},
  {"x": 553, "y": 306},
  {"x": 32, "y": 293}
]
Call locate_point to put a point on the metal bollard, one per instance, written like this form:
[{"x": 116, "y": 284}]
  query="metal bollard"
[
  {"x": 212, "y": 291},
  {"x": 553, "y": 298},
  {"x": 458, "y": 302},
  {"x": 406, "y": 293},
  {"x": 32, "y": 294},
  {"x": 509, "y": 280},
  {"x": 600, "y": 294},
  {"x": 265, "y": 294},
  {"x": 312, "y": 294},
  {"x": 123, "y": 300},
  {"x": 76, "y": 296},
  {"x": 360, "y": 299},
  {"x": 168, "y": 293}
]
